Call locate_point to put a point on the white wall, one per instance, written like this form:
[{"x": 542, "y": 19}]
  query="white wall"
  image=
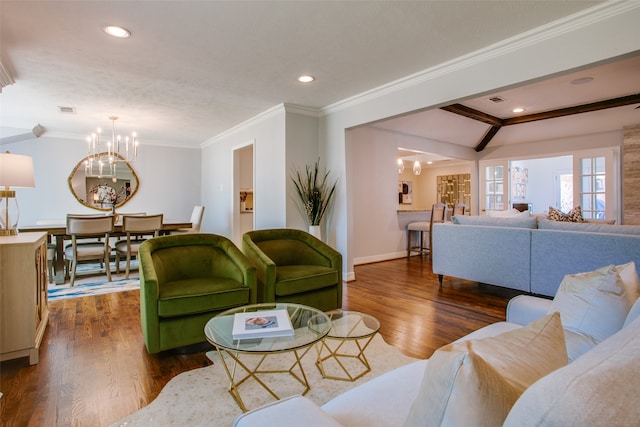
[
  {"x": 301, "y": 150},
  {"x": 550, "y": 50},
  {"x": 378, "y": 231},
  {"x": 268, "y": 135},
  {"x": 161, "y": 189}
]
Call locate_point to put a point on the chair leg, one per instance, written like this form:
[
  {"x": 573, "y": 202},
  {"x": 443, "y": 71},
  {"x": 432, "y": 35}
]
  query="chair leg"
[
  {"x": 128, "y": 264},
  {"x": 108, "y": 267},
  {"x": 74, "y": 263},
  {"x": 51, "y": 271},
  {"x": 117, "y": 262}
]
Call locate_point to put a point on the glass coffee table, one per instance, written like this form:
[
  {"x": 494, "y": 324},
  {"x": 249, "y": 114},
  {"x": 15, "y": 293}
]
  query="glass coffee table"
[
  {"x": 309, "y": 327},
  {"x": 341, "y": 353}
]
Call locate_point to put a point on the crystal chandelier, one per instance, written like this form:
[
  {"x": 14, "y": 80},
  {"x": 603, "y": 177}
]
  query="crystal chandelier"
[{"x": 104, "y": 154}]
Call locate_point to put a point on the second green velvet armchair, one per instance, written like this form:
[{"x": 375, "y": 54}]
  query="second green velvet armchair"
[
  {"x": 293, "y": 266},
  {"x": 185, "y": 280}
]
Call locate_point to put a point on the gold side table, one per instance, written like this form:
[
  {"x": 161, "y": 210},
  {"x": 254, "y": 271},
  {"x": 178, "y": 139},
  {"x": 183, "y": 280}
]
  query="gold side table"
[
  {"x": 341, "y": 352},
  {"x": 309, "y": 326}
]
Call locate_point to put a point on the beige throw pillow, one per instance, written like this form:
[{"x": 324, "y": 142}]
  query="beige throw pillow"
[{"x": 476, "y": 382}]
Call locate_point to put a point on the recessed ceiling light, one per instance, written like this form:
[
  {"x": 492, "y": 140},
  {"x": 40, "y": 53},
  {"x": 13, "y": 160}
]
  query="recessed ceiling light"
[
  {"x": 306, "y": 78},
  {"x": 518, "y": 110},
  {"x": 582, "y": 81},
  {"x": 116, "y": 31}
]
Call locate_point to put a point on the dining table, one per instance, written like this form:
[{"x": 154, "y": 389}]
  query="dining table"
[{"x": 58, "y": 232}]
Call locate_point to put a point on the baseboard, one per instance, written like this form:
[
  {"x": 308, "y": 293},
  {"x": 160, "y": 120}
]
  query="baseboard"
[{"x": 378, "y": 258}]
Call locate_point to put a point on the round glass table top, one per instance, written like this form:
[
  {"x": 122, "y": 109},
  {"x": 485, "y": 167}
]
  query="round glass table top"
[
  {"x": 351, "y": 324},
  {"x": 309, "y": 326}
]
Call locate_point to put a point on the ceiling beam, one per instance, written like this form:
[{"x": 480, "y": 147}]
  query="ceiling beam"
[
  {"x": 487, "y": 138},
  {"x": 497, "y": 123},
  {"x": 472, "y": 113},
  {"x": 578, "y": 109}
]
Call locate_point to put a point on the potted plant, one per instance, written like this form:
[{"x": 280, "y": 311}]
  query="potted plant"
[{"x": 315, "y": 193}]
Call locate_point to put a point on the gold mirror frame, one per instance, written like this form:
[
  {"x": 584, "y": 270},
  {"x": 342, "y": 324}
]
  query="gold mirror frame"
[{"x": 92, "y": 192}]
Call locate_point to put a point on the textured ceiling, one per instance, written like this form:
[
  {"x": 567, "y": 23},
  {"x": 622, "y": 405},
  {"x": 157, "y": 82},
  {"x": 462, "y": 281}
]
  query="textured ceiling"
[{"x": 193, "y": 69}]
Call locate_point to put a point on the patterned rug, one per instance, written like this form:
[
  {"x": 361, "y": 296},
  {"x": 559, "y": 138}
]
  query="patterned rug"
[
  {"x": 200, "y": 397},
  {"x": 90, "y": 281}
]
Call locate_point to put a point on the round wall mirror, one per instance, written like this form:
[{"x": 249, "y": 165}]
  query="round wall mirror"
[{"x": 103, "y": 187}]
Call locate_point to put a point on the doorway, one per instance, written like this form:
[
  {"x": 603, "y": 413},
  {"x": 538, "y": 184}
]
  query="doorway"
[{"x": 243, "y": 199}]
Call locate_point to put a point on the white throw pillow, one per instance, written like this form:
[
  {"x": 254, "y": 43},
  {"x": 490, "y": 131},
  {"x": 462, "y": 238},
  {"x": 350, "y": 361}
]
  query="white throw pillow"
[
  {"x": 634, "y": 313},
  {"x": 595, "y": 304},
  {"x": 476, "y": 382},
  {"x": 599, "y": 389},
  {"x": 629, "y": 276},
  {"x": 509, "y": 213}
]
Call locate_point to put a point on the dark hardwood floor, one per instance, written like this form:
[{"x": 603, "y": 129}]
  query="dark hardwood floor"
[{"x": 94, "y": 368}]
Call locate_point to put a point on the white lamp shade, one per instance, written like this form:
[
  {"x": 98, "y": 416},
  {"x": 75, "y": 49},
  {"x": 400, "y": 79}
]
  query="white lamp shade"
[{"x": 16, "y": 170}]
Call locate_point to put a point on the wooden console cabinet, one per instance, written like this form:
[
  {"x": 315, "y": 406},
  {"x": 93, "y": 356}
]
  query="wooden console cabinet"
[{"x": 23, "y": 295}]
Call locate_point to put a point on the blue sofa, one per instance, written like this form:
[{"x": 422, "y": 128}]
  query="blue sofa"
[{"x": 529, "y": 254}]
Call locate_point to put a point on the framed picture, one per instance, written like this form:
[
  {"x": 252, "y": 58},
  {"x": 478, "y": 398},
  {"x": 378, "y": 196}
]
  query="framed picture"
[{"x": 405, "y": 194}]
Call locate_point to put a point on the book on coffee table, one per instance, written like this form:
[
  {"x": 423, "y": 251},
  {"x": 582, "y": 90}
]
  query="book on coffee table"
[{"x": 262, "y": 324}]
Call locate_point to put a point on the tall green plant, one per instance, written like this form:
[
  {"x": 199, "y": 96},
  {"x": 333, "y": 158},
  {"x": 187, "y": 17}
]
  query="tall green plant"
[{"x": 314, "y": 190}]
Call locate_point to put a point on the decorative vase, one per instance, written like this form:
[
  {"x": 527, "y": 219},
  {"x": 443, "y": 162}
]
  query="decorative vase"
[
  {"x": 315, "y": 231},
  {"x": 243, "y": 206}
]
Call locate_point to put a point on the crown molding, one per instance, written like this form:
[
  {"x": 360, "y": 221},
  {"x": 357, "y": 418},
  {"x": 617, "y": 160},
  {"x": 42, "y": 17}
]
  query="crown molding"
[{"x": 570, "y": 23}]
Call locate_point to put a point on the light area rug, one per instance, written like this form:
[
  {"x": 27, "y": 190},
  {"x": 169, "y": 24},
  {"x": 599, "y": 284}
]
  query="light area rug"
[
  {"x": 200, "y": 397},
  {"x": 90, "y": 280}
]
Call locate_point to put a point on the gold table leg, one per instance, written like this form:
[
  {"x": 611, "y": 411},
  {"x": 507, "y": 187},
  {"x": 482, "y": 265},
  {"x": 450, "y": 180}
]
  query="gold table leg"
[
  {"x": 230, "y": 367},
  {"x": 335, "y": 354}
]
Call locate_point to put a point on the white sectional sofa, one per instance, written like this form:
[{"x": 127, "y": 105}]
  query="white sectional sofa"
[
  {"x": 528, "y": 254},
  {"x": 598, "y": 388}
]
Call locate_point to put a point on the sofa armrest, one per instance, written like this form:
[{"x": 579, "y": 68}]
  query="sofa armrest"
[
  {"x": 265, "y": 269},
  {"x": 294, "y": 410},
  {"x": 524, "y": 309}
]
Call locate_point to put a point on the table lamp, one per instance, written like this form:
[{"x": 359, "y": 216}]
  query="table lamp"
[{"x": 15, "y": 171}]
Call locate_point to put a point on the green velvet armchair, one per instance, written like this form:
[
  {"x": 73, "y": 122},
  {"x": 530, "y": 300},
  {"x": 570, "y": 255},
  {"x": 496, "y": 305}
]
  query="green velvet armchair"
[
  {"x": 185, "y": 280},
  {"x": 293, "y": 266}
]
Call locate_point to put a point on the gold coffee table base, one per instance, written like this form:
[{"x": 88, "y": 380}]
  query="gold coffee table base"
[
  {"x": 335, "y": 354},
  {"x": 230, "y": 367}
]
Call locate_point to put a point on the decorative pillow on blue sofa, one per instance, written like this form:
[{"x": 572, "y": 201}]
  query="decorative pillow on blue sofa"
[{"x": 574, "y": 215}]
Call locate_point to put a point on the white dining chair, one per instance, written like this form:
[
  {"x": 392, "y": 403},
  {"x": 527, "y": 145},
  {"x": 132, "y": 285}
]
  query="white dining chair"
[
  {"x": 84, "y": 247},
  {"x": 196, "y": 221},
  {"x": 137, "y": 229}
]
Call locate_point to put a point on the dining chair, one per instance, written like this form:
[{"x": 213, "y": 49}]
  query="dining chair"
[
  {"x": 84, "y": 247},
  {"x": 137, "y": 228},
  {"x": 438, "y": 214},
  {"x": 459, "y": 209},
  {"x": 196, "y": 221}
]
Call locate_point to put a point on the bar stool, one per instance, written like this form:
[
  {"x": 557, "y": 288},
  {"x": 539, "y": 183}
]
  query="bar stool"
[{"x": 438, "y": 214}]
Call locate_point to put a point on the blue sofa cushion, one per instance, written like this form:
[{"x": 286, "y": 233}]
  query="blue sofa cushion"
[
  {"x": 530, "y": 222},
  {"x": 587, "y": 227}
]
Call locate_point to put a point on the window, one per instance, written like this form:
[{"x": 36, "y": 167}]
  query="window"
[
  {"x": 592, "y": 187},
  {"x": 588, "y": 179},
  {"x": 494, "y": 186}
]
